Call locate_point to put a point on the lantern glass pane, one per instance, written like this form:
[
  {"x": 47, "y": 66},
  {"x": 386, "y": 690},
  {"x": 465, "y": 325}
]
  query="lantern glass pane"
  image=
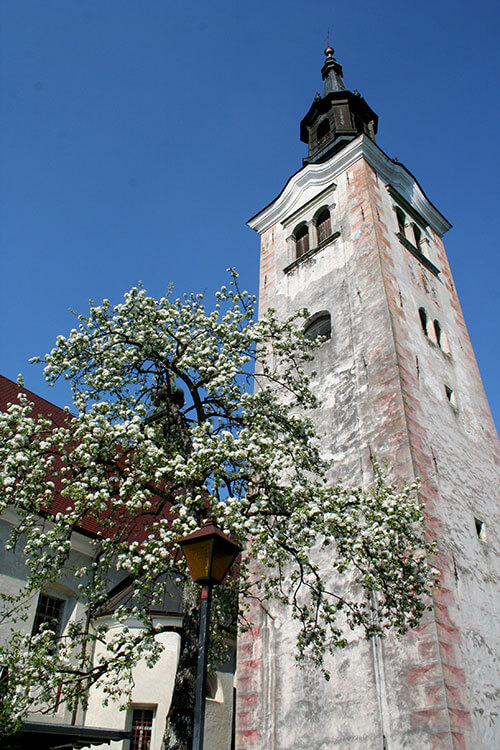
[
  {"x": 223, "y": 557},
  {"x": 198, "y": 557}
]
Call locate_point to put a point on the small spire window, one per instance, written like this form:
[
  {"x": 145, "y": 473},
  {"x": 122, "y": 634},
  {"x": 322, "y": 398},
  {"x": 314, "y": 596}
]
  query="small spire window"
[
  {"x": 301, "y": 236},
  {"x": 323, "y": 131},
  {"x": 323, "y": 225}
]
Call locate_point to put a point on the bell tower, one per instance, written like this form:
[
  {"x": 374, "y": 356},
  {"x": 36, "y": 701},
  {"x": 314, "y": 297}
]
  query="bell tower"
[
  {"x": 354, "y": 239},
  {"x": 335, "y": 117}
]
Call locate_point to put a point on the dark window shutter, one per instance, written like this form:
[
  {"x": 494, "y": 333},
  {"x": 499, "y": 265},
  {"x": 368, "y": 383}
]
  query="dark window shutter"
[
  {"x": 323, "y": 226},
  {"x": 302, "y": 240}
]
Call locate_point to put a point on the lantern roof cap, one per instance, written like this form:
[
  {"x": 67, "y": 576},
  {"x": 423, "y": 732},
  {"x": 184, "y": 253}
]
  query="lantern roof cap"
[{"x": 209, "y": 529}]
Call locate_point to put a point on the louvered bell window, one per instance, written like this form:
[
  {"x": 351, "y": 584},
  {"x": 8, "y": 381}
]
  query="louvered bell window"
[
  {"x": 323, "y": 226},
  {"x": 301, "y": 240}
]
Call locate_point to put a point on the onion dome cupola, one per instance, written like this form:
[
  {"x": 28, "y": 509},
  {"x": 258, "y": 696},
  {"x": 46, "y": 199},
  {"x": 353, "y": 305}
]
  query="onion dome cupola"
[{"x": 336, "y": 117}]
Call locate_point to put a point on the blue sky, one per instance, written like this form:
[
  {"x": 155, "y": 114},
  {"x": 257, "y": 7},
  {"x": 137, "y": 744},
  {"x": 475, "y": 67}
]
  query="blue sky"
[{"x": 138, "y": 137}]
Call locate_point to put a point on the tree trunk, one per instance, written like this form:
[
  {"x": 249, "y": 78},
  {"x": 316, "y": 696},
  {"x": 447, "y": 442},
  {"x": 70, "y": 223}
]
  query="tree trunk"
[{"x": 179, "y": 727}]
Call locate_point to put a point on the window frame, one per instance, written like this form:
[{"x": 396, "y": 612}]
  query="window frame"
[
  {"x": 302, "y": 239},
  {"x": 142, "y": 709},
  {"x": 41, "y": 619},
  {"x": 323, "y": 218},
  {"x": 322, "y": 138},
  {"x": 322, "y": 316}
]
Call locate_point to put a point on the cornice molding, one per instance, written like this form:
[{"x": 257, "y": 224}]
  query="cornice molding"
[
  {"x": 321, "y": 175},
  {"x": 316, "y": 201}
]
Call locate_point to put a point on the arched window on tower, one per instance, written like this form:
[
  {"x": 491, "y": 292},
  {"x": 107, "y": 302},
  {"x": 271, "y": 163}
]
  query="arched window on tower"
[
  {"x": 320, "y": 324},
  {"x": 301, "y": 235},
  {"x": 323, "y": 224},
  {"x": 401, "y": 220},
  {"x": 323, "y": 131},
  {"x": 423, "y": 320}
]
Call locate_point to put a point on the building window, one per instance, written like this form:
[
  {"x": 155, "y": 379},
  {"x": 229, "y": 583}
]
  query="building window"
[
  {"x": 301, "y": 236},
  {"x": 214, "y": 689},
  {"x": 323, "y": 225},
  {"x": 49, "y": 612},
  {"x": 319, "y": 325},
  {"x": 450, "y": 395},
  {"x": 401, "y": 221},
  {"x": 211, "y": 686},
  {"x": 434, "y": 332},
  {"x": 142, "y": 728},
  {"x": 417, "y": 236},
  {"x": 323, "y": 131},
  {"x": 423, "y": 320},
  {"x": 480, "y": 529},
  {"x": 437, "y": 332}
]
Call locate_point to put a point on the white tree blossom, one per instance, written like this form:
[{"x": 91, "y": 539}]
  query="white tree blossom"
[{"x": 180, "y": 413}]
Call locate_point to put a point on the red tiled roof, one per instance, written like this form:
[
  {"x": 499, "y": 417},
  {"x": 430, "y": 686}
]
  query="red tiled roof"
[
  {"x": 142, "y": 523},
  {"x": 9, "y": 395}
]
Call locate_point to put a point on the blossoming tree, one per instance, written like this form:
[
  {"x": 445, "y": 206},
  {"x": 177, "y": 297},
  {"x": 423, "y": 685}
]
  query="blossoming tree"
[{"x": 180, "y": 413}]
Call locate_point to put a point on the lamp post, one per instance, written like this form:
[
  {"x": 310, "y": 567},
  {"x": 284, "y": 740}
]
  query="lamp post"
[{"x": 209, "y": 554}]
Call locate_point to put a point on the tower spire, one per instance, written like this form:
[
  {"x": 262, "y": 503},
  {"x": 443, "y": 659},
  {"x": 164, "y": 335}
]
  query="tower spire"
[
  {"x": 336, "y": 117},
  {"x": 332, "y": 73}
]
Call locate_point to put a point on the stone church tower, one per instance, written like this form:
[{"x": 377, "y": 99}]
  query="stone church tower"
[{"x": 353, "y": 237}]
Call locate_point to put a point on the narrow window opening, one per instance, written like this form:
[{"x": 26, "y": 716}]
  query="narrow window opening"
[
  {"x": 142, "y": 728},
  {"x": 213, "y": 692},
  {"x": 423, "y": 320},
  {"x": 401, "y": 221},
  {"x": 301, "y": 240},
  {"x": 323, "y": 131},
  {"x": 417, "y": 234},
  {"x": 480, "y": 529},
  {"x": 437, "y": 331},
  {"x": 445, "y": 345},
  {"x": 211, "y": 686},
  {"x": 450, "y": 395},
  {"x": 319, "y": 325},
  {"x": 323, "y": 225},
  {"x": 434, "y": 461}
]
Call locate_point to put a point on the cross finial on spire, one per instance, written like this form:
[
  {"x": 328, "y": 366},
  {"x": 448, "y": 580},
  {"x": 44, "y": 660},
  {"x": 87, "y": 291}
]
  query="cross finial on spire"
[{"x": 329, "y": 50}]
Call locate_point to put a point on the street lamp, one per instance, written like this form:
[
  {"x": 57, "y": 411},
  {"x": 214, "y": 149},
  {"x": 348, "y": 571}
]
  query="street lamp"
[{"x": 209, "y": 554}]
